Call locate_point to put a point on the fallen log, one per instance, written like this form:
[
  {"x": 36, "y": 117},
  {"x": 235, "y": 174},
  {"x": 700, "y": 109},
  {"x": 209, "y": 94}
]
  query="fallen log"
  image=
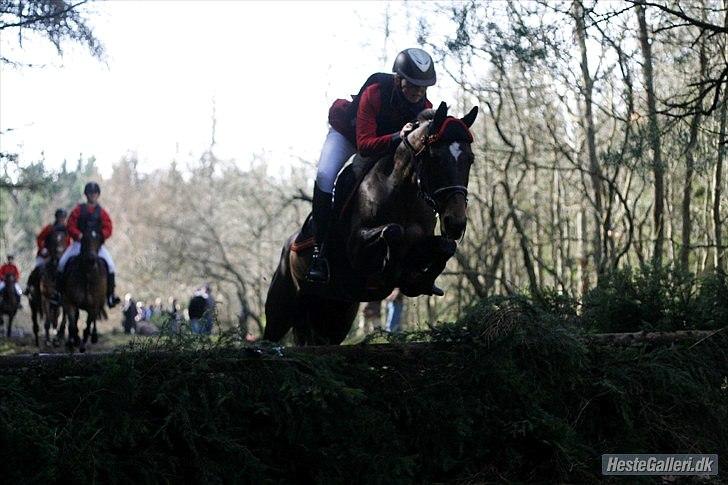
[{"x": 49, "y": 362}]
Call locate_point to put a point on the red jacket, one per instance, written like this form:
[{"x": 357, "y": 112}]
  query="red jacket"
[
  {"x": 9, "y": 268},
  {"x": 75, "y": 232},
  {"x": 373, "y": 119},
  {"x": 47, "y": 231},
  {"x": 380, "y": 117}
]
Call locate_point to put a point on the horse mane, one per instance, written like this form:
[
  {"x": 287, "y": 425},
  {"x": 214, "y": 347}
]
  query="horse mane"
[{"x": 426, "y": 115}]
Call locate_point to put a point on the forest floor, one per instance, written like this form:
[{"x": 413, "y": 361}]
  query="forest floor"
[{"x": 21, "y": 341}]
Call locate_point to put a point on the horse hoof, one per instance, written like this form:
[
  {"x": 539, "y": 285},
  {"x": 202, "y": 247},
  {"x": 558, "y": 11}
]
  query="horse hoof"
[
  {"x": 392, "y": 233},
  {"x": 82, "y": 349}
]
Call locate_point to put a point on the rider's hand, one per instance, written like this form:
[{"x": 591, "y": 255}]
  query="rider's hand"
[{"x": 406, "y": 129}]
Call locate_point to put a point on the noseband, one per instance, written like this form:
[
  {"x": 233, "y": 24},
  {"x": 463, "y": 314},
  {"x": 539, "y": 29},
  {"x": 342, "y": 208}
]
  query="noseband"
[{"x": 422, "y": 187}]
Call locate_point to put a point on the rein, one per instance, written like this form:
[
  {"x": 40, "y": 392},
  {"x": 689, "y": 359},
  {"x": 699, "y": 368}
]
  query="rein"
[{"x": 418, "y": 160}]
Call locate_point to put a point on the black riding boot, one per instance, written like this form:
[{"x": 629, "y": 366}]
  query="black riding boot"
[
  {"x": 318, "y": 271},
  {"x": 112, "y": 300}
]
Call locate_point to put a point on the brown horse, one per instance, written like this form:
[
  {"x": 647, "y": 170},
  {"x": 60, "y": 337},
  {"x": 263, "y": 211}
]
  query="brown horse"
[
  {"x": 10, "y": 302},
  {"x": 83, "y": 285},
  {"x": 42, "y": 289},
  {"x": 385, "y": 235}
]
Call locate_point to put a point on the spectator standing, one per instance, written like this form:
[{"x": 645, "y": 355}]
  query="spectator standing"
[
  {"x": 129, "y": 314},
  {"x": 395, "y": 306}
]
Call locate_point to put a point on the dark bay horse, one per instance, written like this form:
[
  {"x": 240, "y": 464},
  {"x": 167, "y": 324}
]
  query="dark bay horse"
[
  {"x": 10, "y": 302},
  {"x": 42, "y": 288},
  {"x": 385, "y": 238},
  {"x": 83, "y": 286}
]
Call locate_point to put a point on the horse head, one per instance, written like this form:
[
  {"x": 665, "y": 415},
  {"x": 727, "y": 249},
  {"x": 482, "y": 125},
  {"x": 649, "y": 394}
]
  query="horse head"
[
  {"x": 56, "y": 244},
  {"x": 442, "y": 157},
  {"x": 91, "y": 243}
]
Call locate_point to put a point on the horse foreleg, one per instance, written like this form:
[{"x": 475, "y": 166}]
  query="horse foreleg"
[
  {"x": 73, "y": 315},
  {"x": 90, "y": 316},
  {"x": 34, "y": 319},
  {"x": 61, "y": 333},
  {"x": 425, "y": 263},
  {"x": 94, "y": 333},
  {"x": 371, "y": 248}
]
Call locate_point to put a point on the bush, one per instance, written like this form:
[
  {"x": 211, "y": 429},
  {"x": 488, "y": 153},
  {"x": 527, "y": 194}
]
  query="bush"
[
  {"x": 650, "y": 299},
  {"x": 513, "y": 391}
]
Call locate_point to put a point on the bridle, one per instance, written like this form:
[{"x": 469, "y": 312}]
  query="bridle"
[{"x": 423, "y": 190}]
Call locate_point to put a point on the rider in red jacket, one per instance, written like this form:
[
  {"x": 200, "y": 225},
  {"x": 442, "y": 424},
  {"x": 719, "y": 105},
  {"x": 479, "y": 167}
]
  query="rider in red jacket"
[
  {"x": 81, "y": 216},
  {"x": 373, "y": 123},
  {"x": 9, "y": 268},
  {"x": 58, "y": 225}
]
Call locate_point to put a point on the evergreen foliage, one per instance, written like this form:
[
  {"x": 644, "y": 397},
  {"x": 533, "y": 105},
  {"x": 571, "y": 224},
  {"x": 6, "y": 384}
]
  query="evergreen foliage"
[
  {"x": 630, "y": 300},
  {"x": 509, "y": 392}
]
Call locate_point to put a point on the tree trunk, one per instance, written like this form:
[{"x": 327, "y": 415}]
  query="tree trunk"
[
  {"x": 658, "y": 168},
  {"x": 689, "y": 171},
  {"x": 588, "y": 123},
  {"x": 719, "y": 259}
]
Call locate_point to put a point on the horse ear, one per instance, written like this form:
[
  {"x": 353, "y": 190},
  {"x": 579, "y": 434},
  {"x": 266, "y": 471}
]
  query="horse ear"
[
  {"x": 440, "y": 115},
  {"x": 469, "y": 118}
]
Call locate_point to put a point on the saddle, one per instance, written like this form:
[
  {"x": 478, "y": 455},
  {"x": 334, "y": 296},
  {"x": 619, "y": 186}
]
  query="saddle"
[
  {"x": 347, "y": 182},
  {"x": 344, "y": 283},
  {"x": 73, "y": 259}
]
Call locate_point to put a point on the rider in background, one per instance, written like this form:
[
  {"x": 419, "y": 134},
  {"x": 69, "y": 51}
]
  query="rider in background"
[
  {"x": 9, "y": 268},
  {"x": 91, "y": 213},
  {"x": 374, "y": 123},
  {"x": 59, "y": 225}
]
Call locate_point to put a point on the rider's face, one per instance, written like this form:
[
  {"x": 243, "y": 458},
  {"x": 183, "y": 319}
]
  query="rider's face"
[
  {"x": 412, "y": 92},
  {"x": 92, "y": 197}
]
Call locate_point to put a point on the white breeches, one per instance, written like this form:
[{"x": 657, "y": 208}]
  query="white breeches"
[
  {"x": 334, "y": 154},
  {"x": 18, "y": 289},
  {"x": 75, "y": 249}
]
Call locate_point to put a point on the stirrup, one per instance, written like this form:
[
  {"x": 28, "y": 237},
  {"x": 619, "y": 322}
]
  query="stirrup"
[
  {"x": 112, "y": 301},
  {"x": 318, "y": 270}
]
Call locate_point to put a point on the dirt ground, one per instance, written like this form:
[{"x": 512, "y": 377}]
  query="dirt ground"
[{"x": 21, "y": 341}]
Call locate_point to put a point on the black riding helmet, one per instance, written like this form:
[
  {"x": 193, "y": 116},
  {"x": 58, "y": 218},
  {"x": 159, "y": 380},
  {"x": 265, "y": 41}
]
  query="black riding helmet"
[
  {"x": 416, "y": 66},
  {"x": 61, "y": 213},
  {"x": 92, "y": 188}
]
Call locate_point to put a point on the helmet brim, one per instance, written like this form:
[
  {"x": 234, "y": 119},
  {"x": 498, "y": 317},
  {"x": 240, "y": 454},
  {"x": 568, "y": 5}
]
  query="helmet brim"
[{"x": 420, "y": 82}]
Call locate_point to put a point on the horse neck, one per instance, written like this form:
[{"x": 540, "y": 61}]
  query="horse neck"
[
  {"x": 9, "y": 290},
  {"x": 403, "y": 175}
]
